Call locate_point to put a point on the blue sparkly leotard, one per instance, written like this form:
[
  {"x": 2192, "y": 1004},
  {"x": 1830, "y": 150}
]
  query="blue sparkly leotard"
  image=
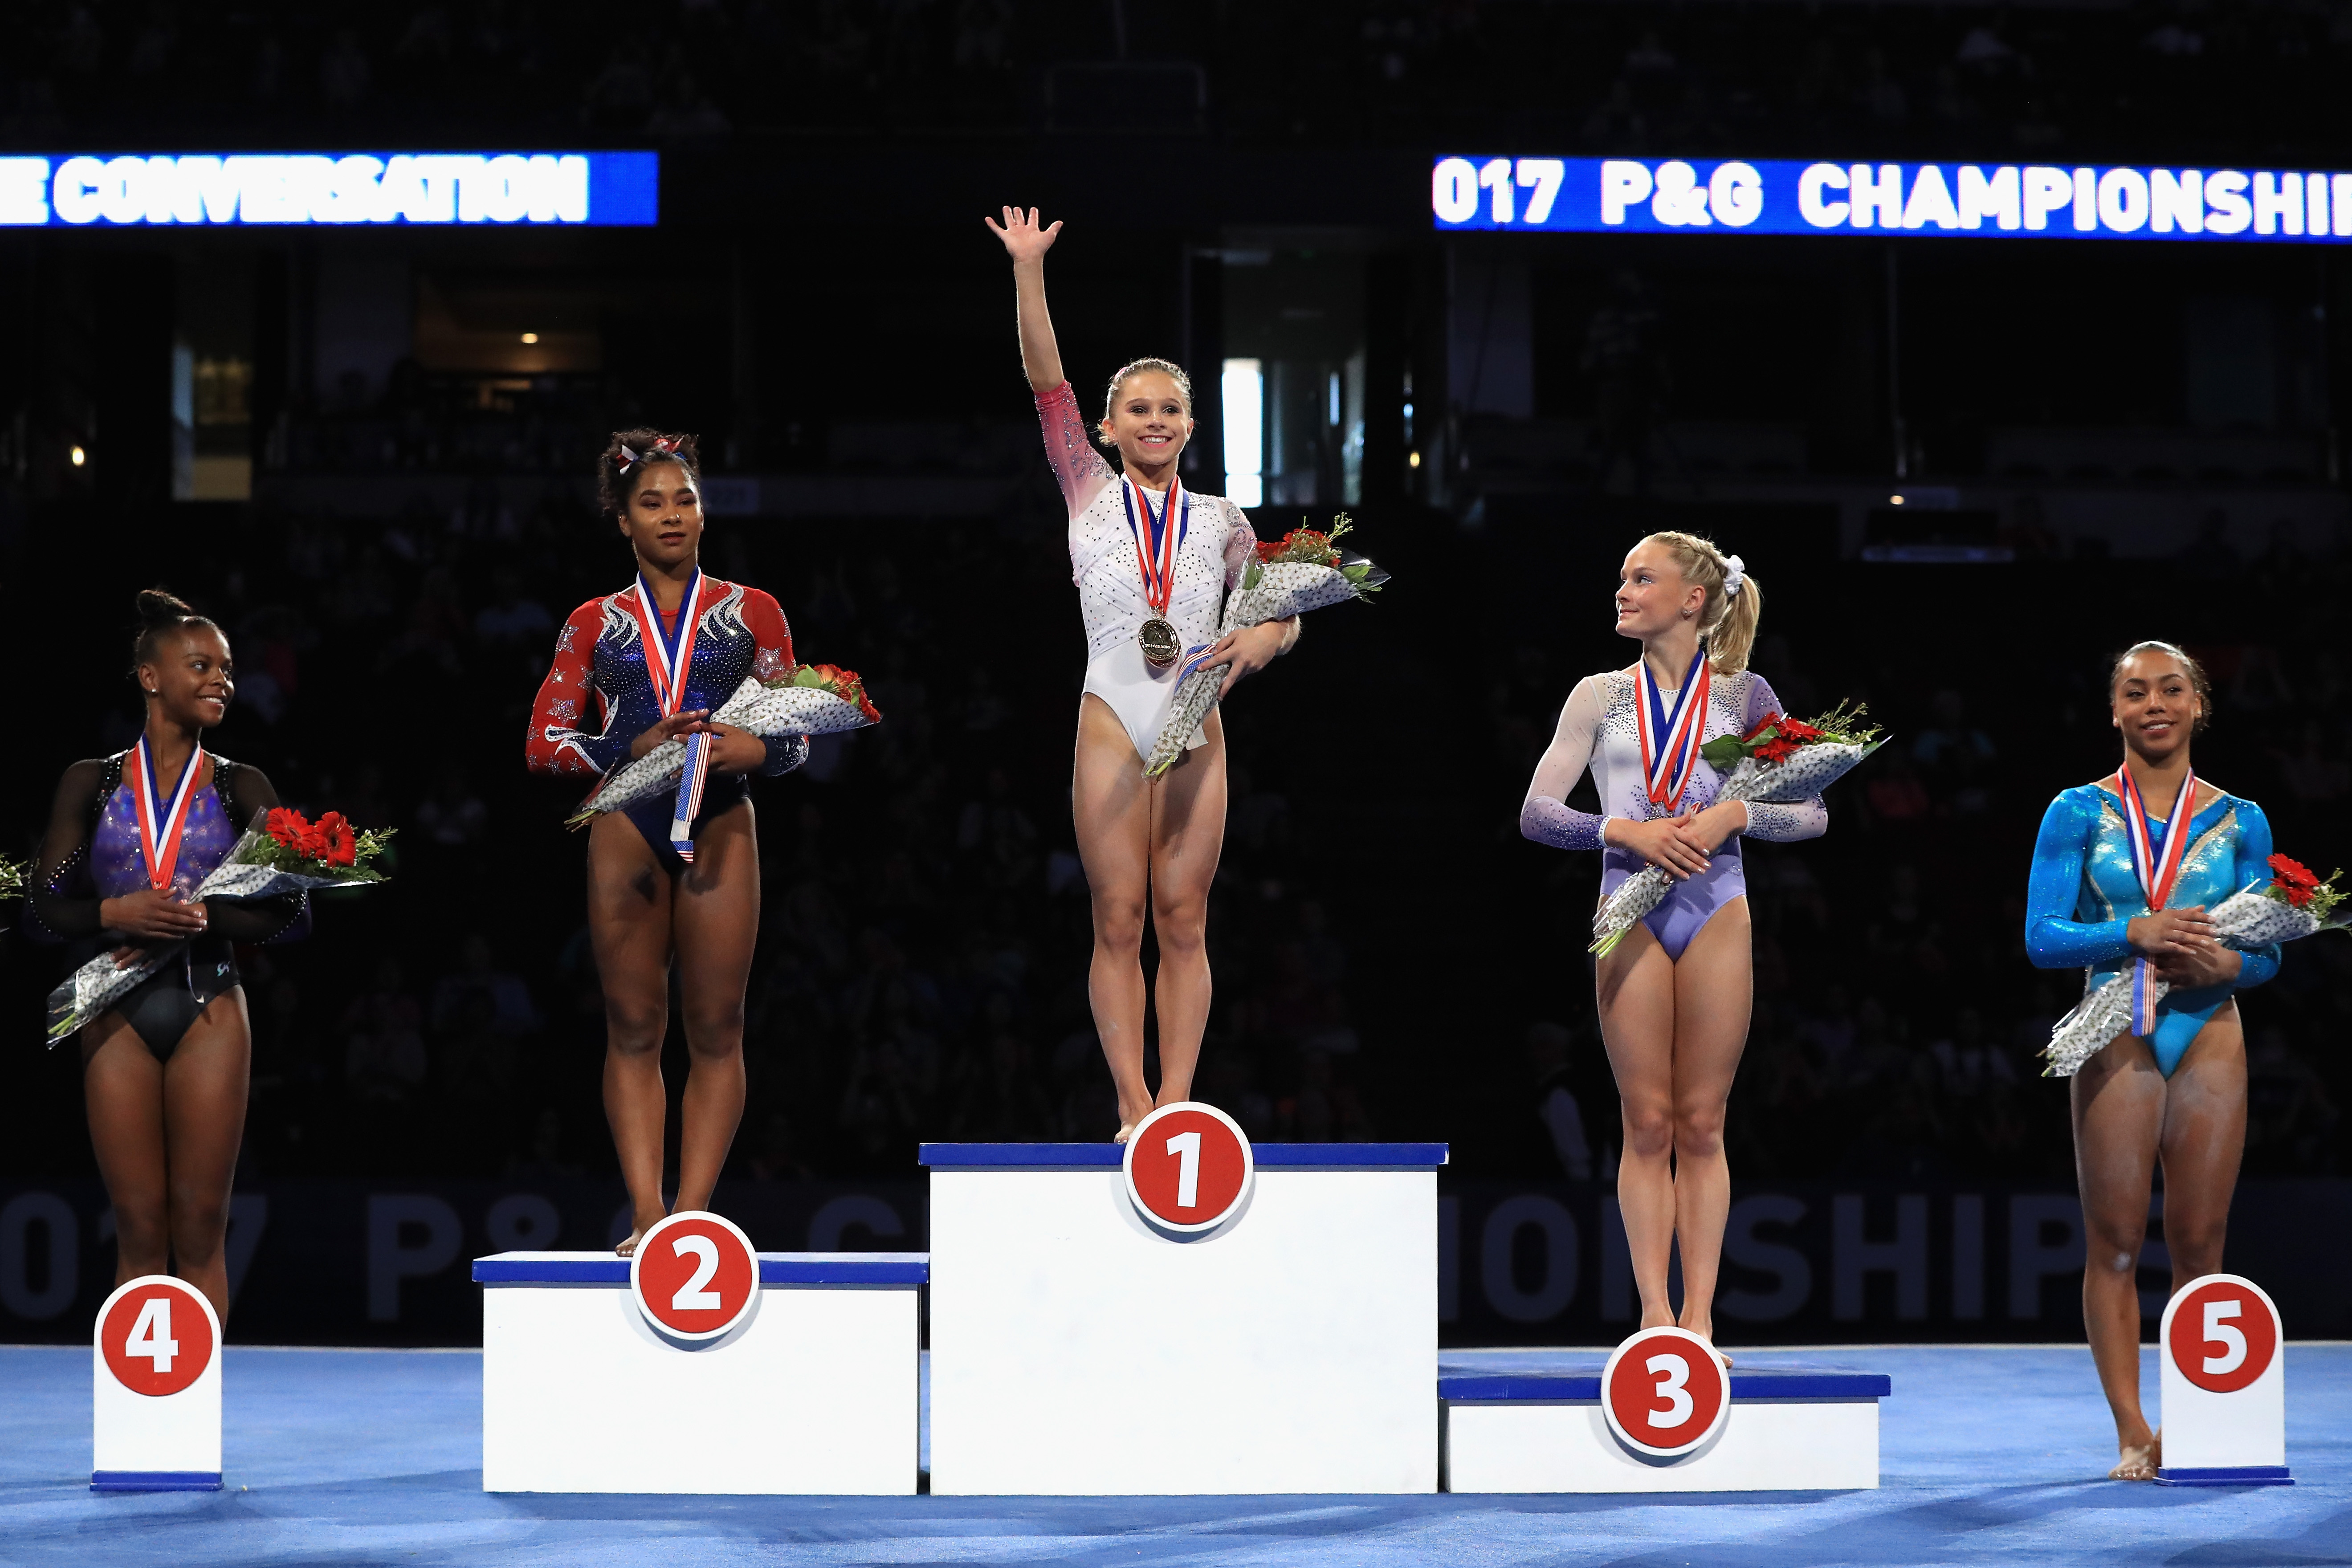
[
  {"x": 2084, "y": 893},
  {"x": 600, "y": 658}
]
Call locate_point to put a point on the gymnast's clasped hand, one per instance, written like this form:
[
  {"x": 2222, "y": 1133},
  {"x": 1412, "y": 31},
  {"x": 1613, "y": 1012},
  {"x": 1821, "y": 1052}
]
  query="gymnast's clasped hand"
[{"x": 2181, "y": 944}]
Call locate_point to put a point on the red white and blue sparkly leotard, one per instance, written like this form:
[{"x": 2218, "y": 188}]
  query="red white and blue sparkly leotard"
[{"x": 599, "y": 656}]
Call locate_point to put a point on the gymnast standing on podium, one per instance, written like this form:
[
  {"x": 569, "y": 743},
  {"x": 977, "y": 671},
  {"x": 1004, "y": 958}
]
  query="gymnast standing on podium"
[{"x": 1152, "y": 562}]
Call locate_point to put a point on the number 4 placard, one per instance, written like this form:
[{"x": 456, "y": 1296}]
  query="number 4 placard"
[
  {"x": 156, "y": 1389},
  {"x": 1188, "y": 1168}
]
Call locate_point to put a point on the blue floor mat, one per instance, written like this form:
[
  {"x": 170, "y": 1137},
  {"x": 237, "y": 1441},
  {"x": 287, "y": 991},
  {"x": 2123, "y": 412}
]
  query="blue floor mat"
[{"x": 1991, "y": 1455}]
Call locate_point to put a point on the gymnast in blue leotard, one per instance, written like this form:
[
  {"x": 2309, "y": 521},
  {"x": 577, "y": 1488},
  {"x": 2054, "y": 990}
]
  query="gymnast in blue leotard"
[
  {"x": 1674, "y": 996},
  {"x": 2177, "y": 1096}
]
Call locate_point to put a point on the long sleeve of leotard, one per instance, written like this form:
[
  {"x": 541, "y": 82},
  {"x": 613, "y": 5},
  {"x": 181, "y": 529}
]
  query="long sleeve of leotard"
[
  {"x": 2258, "y": 964},
  {"x": 2054, "y": 938},
  {"x": 1544, "y": 815},
  {"x": 773, "y": 634},
  {"x": 285, "y": 918},
  {"x": 1069, "y": 447},
  {"x": 1807, "y": 818},
  {"x": 560, "y": 741}
]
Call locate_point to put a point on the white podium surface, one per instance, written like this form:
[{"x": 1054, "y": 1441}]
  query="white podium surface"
[
  {"x": 1789, "y": 1429},
  {"x": 816, "y": 1393},
  {"x": 1077, "y": 1350}
]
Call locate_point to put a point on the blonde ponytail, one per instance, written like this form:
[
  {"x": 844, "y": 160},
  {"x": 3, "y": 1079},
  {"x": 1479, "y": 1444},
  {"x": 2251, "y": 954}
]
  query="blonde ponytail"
[{"x": 1727, "y": 620}]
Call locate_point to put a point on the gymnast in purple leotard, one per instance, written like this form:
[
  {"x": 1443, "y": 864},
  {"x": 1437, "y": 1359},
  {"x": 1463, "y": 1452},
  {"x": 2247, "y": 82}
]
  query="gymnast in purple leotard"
[{"x": 1674, "y": 996}]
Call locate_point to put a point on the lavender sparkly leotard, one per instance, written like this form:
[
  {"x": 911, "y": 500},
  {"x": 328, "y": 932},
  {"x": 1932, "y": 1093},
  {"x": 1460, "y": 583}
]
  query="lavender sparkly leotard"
[{"x": 1598, "y": 730}]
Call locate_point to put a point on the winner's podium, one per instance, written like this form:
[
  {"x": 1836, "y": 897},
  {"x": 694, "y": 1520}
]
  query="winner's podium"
[
  {"x": 1285, "y": 1342},
  {"x": 804, "y": 1381}
]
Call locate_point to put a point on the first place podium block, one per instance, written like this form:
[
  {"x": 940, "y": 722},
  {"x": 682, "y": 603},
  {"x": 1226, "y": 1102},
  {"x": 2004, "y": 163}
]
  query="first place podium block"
[
  {"x": 816, "y": 1392},
  {"x": 1078, "y": 1350}
]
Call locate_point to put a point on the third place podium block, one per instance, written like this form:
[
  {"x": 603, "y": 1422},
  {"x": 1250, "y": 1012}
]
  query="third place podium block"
[
  {"x": 1184, "y": 1315},
  {"x": 699, "y": 1366}
]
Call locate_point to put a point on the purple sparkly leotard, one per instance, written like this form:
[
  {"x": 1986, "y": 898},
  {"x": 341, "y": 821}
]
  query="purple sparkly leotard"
[{"x": 1597, "y": 730}]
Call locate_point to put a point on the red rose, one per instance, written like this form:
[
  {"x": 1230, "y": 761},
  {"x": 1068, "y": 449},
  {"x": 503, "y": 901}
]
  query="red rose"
[
  {"x": 1268, "y": 549},
  {"x": 2297, "y": 896},
  {"x": 1776, "y": 750},
  {"x": 2292, "y": 873},
  {"x": 1798, "y": 730}
]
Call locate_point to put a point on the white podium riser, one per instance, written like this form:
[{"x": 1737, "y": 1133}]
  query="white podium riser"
[
  {"x": 818, "y": 1393},
  {"x": 1076, "y": 1353},
  {"x": 1524, "y": 1447}
]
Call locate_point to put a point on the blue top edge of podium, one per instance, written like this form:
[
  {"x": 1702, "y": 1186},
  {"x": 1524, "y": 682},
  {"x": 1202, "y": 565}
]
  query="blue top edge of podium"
[
  {"x": 775, "y": 1268},
  {"x": 1584, "y": 1387},
  {"x": 1106, "y": 1156}
]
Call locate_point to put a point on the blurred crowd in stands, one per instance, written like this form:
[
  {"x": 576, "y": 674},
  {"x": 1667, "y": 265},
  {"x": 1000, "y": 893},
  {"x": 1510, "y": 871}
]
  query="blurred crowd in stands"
[{"x": 2144, "y": 80}]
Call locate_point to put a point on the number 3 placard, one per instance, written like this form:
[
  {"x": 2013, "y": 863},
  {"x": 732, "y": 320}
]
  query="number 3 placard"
[
  {"x": 694, "y": 1277},
  {"x": 1188, "y": 1167},
  {"x": 1664, "y": 1393}
]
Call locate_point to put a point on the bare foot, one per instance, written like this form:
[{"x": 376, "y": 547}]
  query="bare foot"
[
  {"x": 1123, "y": 1133},
  {"x": 2139, "y": 1464},
  {"x": 628, "y": 1248}
]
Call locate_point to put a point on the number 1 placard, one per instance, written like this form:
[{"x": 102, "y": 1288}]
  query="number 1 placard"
[{"x": 1188, "y": 1168}]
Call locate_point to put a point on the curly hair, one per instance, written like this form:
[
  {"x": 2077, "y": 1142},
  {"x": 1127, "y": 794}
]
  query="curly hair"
[
  {"x": 2197, "y": 680},
  {"x": 629, "y": 452}
]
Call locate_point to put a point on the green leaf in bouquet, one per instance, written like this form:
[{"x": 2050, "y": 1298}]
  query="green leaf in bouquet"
[
  {"x": 1725, "y": 752},
  {"x": 1251, "y": 574}
]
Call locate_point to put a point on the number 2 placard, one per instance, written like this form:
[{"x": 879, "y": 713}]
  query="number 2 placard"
[
  {"x": 694, "y": 1277},
  {"x": 1188, "y": 1168}
]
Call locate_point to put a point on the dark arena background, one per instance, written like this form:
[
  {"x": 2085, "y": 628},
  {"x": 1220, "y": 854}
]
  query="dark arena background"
[{"x": 1965, "y": 464}]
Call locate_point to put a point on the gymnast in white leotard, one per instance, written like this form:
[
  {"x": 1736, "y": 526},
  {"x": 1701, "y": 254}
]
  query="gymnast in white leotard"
[{"x": 1153, "y": 563}]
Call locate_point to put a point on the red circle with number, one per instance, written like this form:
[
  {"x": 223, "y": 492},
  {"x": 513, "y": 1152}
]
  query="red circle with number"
[
  {"x": 694, "y": 1275},
  {"x": 1188, "y": 1167},
  {"x": 2224, "y": 1334},
  {"x": 1664, "y": 1391},
  {"x": 157, "y": 1336}
]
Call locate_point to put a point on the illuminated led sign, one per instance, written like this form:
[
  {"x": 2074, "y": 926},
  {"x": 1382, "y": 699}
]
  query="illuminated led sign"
[
  {"x": 211, "y": 188},
  {"x": 2013, "y": 201}
]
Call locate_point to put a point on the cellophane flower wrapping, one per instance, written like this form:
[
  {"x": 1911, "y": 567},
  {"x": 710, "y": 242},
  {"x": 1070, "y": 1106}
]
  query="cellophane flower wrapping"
[
  {"x": 259, "y": 867},
  {"x": 1270, "y": 590},
  {"x": 1803, "y": 775},
  {"x": 2245, "y": 920},
  {"x": 763, "y": 709}
]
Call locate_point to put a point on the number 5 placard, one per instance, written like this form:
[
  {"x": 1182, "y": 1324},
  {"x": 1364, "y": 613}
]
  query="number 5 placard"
[
  {"x": 694, "y": 1278},
  {"x": 1188, "y": 1168}
]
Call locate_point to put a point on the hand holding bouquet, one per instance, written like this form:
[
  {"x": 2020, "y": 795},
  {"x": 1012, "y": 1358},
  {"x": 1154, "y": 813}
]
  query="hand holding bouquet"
[
  {"x": 775, "y": 698},
  {"x": 1779, "y": 762},
  {"x": 2295, "y": 904},
  {"x": 1302, "y": 570},
  {"x": 284, "y": 853}
]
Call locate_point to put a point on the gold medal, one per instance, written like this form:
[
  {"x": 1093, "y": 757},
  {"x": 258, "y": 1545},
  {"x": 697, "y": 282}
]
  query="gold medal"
[{"x": 1159, "y": 645}]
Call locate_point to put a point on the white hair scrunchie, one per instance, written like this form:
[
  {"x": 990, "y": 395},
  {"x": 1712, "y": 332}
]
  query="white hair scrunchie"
[{"x": 1735, "y": 576}]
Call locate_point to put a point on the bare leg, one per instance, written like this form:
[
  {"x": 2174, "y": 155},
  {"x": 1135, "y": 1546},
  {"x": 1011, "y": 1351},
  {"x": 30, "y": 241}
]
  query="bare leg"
[
  {"x": 716, "y": 918},
  {"x": 122, "y": 1086},
  {"x": 1635, "y": 987},
  {"x": 2204, "y": 1138},
  {"x": 1714, "y": 992},
  {"x": 2118, "y": 1103},
  {"x": 206, "y": 1084},
  {"x": 1188, "y": 833},
  {"x": 629, "y": 932},
  {"x": 1111, "y": 802}
]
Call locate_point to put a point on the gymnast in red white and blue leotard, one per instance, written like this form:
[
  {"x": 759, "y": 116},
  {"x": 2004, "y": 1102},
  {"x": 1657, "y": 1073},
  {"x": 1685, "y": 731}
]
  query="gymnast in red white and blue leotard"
[{"x": 653, "y": 661}]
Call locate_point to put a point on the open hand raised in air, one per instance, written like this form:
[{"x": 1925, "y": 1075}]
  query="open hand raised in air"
[{"x": 1024, "y": 238}]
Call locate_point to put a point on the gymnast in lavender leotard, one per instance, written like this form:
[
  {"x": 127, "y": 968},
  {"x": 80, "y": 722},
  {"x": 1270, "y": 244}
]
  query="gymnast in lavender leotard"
[{"x": 1673, "y": 995}]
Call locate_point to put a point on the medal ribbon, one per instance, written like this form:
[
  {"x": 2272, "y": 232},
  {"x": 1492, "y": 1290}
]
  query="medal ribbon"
[
  {"x": 669, "y": 661},
  {"x": 1670, "y": 741},
  {"x": 160, "y": 826},
  {"x": 2158, "y": 868},
  {"x": 1157, "y": 561}
]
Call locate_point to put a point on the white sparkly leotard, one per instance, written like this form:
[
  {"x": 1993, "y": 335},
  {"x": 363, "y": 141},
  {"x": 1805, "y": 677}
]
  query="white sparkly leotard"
[{"x": 1216, "y": 546}]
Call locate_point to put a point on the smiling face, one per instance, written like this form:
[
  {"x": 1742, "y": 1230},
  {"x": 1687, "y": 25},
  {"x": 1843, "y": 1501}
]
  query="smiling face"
[
  {"x": 1652, "y": 593},
  {"x": 1149, "y": 421},
  {"x": 190, "y": 679},
  {"x": 2156, "y": 704},
  {"x": 664, "y": 520}
]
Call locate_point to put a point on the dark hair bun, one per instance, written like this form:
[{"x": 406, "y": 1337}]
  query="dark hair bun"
[
  {"x": 160, "y": 608},
  {"x": 623, "y": 462}
]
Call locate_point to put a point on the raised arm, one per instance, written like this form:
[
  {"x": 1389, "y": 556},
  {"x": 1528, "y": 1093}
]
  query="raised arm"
[
  {"x": 1544, "y": 815},
  {"x": 1069, "y": 443}
]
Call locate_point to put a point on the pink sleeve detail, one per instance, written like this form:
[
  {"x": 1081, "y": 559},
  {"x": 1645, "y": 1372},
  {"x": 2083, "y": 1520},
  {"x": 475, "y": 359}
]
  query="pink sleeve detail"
[{"x": 1069, "y": 447}]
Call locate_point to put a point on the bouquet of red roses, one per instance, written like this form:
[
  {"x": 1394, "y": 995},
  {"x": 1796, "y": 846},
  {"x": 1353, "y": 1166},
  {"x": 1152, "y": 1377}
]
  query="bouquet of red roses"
[
  {"x": 283, "y": 853},
  {"x": 2295, "y": 904},
  {"x": 1778, "y": 762},
  {"x": 775, "y": 698},
  {"x": 1304, "y": 570}
]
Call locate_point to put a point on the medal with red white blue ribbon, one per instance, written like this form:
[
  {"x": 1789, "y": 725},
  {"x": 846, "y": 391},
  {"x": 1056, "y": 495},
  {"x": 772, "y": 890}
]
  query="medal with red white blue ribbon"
[
  {"x": 2158, "y": 868},
  {"x": 1670, "y": 739},
  {"x": 1157, "y": 562},
  {"x": 670, "y": 660},
  {"x": 160, "y": 823}
]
